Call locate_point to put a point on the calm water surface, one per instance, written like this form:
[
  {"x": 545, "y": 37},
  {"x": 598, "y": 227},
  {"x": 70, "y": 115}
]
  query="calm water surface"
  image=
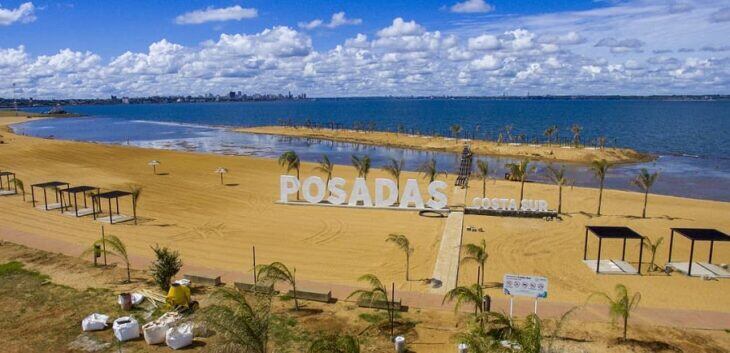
[{"x": 689, "y": 138}]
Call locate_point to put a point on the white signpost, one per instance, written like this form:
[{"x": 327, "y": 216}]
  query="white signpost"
[{"x": 524, "y": 286}]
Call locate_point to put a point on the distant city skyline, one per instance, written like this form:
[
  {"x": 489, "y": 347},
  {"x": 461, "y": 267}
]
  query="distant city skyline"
[{"x": 88, "y": 49}]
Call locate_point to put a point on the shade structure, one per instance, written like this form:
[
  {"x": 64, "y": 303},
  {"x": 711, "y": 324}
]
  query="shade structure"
[
  {"x": 73, "y": 195},
  {"x": 7, "y": 187},
  {"x": 697, "y": 234},
  {"x": 109, "y": 196},
  {"x": 56, "y": 186},
  {"x": 612, "y": 232}
]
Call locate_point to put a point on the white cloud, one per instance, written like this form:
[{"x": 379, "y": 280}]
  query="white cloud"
[
  {"x": 23, "y": 14},
  {"x": 621, "y": 46},
  {"x": 212, "y": 14},
  {"x": 487, "y": 62},
  {"x": 471, "y": 6},
  {"x": 401, "y": 28},
  {"x": 338, "y": 19},
  {"x": 484, "y": 42},
  {"x": 721, "y": 15}
]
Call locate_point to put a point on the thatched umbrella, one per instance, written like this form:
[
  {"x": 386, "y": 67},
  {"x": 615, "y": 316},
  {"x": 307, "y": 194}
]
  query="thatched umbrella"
[
  {"x": 221, "y": 171},
  {"x": 154, "y": 163}
]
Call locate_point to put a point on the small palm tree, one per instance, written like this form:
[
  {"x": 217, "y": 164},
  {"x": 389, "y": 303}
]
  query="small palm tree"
[
  {"x": 278, "y": 272},
  {"x": 136, "y": 191},
  {"x": 376, "y": 293},
  {"x": 652, "y": 247},
  {"x": 600, "y": 169},
  {"x": 576, "y": 130},
  {"x": 404, "y": 245},
  {"x": 430, "y": 170},
  {"x": 326, "y": 167},
  {"x": 483, "y": 174},
  {"x": 508, "y": 131},
  {"x": 243, "y": 324},
  {"x": 395, "y": 168},
  {"x": 335, "y": 343},
  {"x": 221, "y": 171},
  {"x": 473, "y": 294},
  {"x": 113, "y": 245},
  {"x": 290, "y": 160},
  {"x": 477, "y": 253},
  {"x": 558, "y": 177},
  {"x": 644, "y": 181},
  {"x": 362, "y": 165},
  {"x": 549, "y": 133},
  {"x": 520, "y": 172},
  {"x": 621, "y": 306},
  {"x": 20, "y": 185},
  {"x": 455, "y": 130}
]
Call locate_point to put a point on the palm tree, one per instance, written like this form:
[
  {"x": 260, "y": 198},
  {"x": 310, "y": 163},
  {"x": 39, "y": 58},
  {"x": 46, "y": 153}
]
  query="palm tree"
[
  {"x": 404, "y": 245},
  {"x": 244, "y": 325},
  {"x": 20, "y": 185},
  {"x": 430, "y": 170},
  {"x": 477, "y": 253},
  {"x": 278, "y": 272},
  {"x": 508, "y": 131},
  {"x": 549, "y": 132},
  {"x": 644, "y": 181},
  {"x": 558, "y": 177},
  {"x": 473, "y": 294},
  {"x": 520, "y": 171},
  {"x": 483, "y": 174},
  {"x": 652, "y": 247},
  {"x": 576, "y": 130},
  {"x": 136, "y": 191},
  {"x": 362, "y": 165},
  {"x": 221, "y": 171},
  {"x": 326, "y": 167},
  {"x": 600, "y": 169},
  {"x": 114, "y": 246},
  {"x": 335, "y": 343},
  {"x": 621, "y": 305},
  {"x": 455, "y": 130},
  {"x": 290, "y": 159},
  {"x": 377, "y": 293},
  {"x": 395, "y": 168}
]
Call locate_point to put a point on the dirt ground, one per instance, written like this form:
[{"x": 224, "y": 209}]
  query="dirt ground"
[{"x": 66, "y": 289}]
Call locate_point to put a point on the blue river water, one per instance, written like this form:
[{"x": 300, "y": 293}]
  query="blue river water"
[{"x": 689, "y": 138}]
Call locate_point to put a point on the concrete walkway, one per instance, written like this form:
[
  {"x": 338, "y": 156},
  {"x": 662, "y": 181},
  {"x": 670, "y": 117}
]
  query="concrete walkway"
[{"x": 446, "y": 268}]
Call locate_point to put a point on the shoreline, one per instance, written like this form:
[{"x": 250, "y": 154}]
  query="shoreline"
[{"x": 539, "y": 152}]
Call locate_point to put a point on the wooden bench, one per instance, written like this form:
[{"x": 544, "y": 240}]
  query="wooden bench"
[
  {"x": 257, "y": 288},
  {"x": 197, "y": 279},
  {"x": 311, "y": 296},
  {"x": 379, "y": 304}
]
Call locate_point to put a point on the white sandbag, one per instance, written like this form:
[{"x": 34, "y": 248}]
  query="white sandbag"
[
  {"x": 154, "y": 332},
  {"x": 179, "y": 337},
  {"x": 126, "y": 328},
  {"x": 94, "y": 322},
  {"x": 137, "y": 298},
  {"x": 183, "y": 282}
]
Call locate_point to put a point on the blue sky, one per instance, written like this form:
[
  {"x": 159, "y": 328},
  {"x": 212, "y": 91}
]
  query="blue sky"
[{"x": 341, "y": 48}]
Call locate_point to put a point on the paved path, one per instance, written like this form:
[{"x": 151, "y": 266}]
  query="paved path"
[
  {"x": 698, "y": 319},
  {"x": 446, "y": 268}
]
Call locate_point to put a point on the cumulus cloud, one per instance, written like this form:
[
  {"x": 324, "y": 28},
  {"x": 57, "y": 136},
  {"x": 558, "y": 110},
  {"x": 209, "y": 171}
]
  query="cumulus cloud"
[
  {"x": 338, "y": 19},
  {"x": 471, "y": 6},
  {"x": 401, "y": 28},
  {"x": 23, "y": 14},
  {"x": 211, "y": 14},
  {"x": 621, "y": 46}
]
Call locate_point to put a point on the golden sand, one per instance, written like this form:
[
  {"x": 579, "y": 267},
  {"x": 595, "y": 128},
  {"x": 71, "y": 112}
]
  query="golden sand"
[
  {"x": 215, "y": 226},
  {"x": 445, "y": 144}
]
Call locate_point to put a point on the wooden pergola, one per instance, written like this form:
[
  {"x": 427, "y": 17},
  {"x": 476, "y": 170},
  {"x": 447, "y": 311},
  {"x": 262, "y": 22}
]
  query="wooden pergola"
[
  {"x": 55, "y": 185},
  {"x": 109, "y": 196},
  {"x": 608, "y": 232},
  {"x": 73, "y": 194},
  {"x": 697, "y": 234},
  {"x": 12, "y": 188}
]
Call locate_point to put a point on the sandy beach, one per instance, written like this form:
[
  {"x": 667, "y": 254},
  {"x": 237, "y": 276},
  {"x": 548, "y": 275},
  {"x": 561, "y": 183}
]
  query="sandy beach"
[
  {"x": 544, "y": 152},
  {"x": 215, "y": 226}
]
